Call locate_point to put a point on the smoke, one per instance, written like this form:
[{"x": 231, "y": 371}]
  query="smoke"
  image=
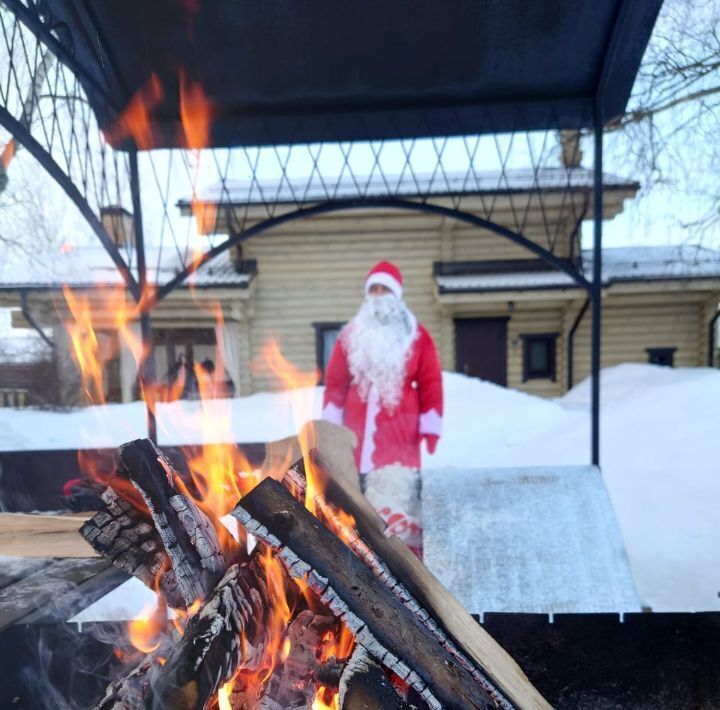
[{"x": 57, "y": 666}]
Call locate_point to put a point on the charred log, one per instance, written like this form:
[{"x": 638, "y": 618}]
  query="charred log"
[
  {"x": 127, "y": 537},
  {"x": 365, "y": 686},
  {"x": 387, "y": 629},
  {"x": 225, "y": 636},
  {"x": 191, "y": 540}
]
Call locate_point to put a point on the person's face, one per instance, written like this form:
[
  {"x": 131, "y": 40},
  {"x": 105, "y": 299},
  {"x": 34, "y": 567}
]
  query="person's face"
[{"x": 378, "y": 290}]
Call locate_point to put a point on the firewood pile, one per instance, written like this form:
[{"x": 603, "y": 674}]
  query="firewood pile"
[{"x": 325, "y": 610}]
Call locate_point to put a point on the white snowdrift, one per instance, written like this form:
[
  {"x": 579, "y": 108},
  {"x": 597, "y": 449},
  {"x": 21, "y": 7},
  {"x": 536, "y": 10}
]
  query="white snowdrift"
[{"x": 660, "y": 453}]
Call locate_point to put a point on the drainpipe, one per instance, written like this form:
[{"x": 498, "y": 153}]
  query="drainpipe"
[
  {"x": 711, "y": 339},
  {"x": 571, "y": 340},
  {"x": 25, "y": 310}
]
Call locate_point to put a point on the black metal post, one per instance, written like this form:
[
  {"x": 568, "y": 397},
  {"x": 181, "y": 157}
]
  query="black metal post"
[
  {"x": 146, "y": 369},
  {"x": 596, "y": 293}
]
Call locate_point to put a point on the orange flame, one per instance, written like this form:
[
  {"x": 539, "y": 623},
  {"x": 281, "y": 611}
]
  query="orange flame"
[
  {"x": 196, "y": 113},
  {"x": 135, "y": 121},
  {"x": 325, "y": 699},
  {"x": 293, "y": 380},
  {"x": 223, "y": 696},
  {"x": 8, "y": 154},
  {"x": 85, "y": 346},
  {"x": 93, "y": 320},
  {"x": 339, "y": 646},
  {"x": 145, "y": 630}
]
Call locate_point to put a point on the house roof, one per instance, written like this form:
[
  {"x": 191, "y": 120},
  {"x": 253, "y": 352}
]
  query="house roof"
[
  {"x": 620, "y": 264},
  {"x": 82, "y": 267},
  {"x": 322, "y": 187},
  {"x": 24, "y": 350},
  {"x": 282, "y": 72}
]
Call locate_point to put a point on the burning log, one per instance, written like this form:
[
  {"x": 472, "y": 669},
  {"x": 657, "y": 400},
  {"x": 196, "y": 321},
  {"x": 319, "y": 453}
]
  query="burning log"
[
  {"x": 191, "y": 540},
  {"x": 293, "y": 684},
  {"x": 127, "y": 537},
  {"x": 389, "y": 631},
  {"x": 418, "y": 589},
  {"x": 132, "y": 690},
  {"x": 364, "y": 685},
  {"x": 225, "y": 636}
]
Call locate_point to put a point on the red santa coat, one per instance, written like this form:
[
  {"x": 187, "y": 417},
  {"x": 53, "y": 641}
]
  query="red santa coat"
[{"x": 384, "y": 437}]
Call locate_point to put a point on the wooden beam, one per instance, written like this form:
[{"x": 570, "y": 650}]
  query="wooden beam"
[
  {"x": 25, "y": 535},
  {"x": 55, "y": 587}
]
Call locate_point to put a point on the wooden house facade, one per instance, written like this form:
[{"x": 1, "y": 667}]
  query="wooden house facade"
[{"x": 495, "y": 310}]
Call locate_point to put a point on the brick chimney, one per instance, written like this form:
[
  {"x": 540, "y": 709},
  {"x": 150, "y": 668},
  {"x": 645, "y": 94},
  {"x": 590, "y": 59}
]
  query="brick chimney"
[{"x": 119, "y": 225}]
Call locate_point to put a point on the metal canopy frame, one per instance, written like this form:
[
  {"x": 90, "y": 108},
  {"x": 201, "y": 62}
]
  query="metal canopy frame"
[{"x": 48, "y": 110}]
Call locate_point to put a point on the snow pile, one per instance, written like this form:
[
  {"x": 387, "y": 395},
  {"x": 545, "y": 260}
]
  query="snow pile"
[{"x": 660, "y": 453}]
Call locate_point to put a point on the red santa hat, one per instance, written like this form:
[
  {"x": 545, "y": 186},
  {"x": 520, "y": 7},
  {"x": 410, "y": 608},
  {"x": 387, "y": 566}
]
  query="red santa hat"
[{"x": 385, "y": 274}]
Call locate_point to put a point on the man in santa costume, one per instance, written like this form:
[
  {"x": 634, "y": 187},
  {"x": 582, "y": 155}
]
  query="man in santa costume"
[{"x": 384, "y": 382}]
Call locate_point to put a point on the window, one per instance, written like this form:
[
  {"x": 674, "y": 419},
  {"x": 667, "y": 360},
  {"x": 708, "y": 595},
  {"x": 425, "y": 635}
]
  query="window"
[
  {"x": 326, "y": 334},
  {"x": 108, "y": 354},
  {"x": 661, "y": 356},
  {"x": 195, "y": 345},
  {"x": 539, "y": 356}
]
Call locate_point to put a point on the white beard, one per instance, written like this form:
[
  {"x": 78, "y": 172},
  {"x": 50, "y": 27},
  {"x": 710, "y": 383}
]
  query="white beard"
[{"x": 378, "y": 345}]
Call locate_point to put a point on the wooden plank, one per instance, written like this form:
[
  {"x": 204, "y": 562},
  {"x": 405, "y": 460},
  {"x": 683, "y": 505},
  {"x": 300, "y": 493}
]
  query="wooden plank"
[
  {"x": 45, "y": 586},
  {"x": 392, "y": 627},
  {"x": 65, "y": 606},
  {"x": 469, "y": 636},
  {"x": 13, "y": 569},
  {"x": 27, "y": 535}
]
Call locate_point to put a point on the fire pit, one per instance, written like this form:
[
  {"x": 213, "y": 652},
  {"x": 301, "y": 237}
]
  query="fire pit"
[{"x": 324, "y": 611}]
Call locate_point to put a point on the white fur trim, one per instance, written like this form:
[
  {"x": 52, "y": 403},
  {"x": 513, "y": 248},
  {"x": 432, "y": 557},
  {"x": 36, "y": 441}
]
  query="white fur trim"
[
  {"x": 333, "y": 414},
  {"x": 383, "y": 279},
  {"x": 368, "y": 446},
  {"x": 431, "y": 423}
]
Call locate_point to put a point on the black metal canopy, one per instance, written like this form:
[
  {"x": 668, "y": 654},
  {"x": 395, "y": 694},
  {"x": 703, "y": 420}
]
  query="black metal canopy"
[{"x": 285, "y": 72}]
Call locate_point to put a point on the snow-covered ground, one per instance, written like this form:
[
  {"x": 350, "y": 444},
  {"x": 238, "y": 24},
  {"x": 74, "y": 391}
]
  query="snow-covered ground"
[{"x": 660, "y": 453}]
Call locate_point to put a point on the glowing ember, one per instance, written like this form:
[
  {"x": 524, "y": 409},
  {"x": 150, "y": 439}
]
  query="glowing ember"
[{"x": 325, "y": 699}]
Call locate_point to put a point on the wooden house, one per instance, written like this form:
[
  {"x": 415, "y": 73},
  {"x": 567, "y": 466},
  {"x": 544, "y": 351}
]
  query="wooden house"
[{"x": 495, "y": 310}]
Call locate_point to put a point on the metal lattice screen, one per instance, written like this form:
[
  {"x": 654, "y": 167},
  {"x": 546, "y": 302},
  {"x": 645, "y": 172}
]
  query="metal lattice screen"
[{"x": 529, "y": 185}]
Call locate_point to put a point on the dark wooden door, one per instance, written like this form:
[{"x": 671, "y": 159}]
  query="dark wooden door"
[{"x": 481, "y": 348}]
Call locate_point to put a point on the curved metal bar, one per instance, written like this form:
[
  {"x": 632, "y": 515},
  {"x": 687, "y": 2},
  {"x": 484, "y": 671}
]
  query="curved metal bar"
[
  {"x": 373, "y": 203},
  {"x": 25, "y": 310},
  {"x": 23, "y": 135},
  {"x": 43, "y": 33}
]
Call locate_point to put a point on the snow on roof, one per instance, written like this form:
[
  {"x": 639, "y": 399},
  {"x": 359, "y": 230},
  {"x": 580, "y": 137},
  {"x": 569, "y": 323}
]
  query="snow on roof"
[
  {"x": 507, "y": 281},
  {"x": 24, "y": 350},
  {"x": 619, "y": 264},
  {"x": 407, "y": 184},
  {"x": 91, "y": 266},
  {"x": 661, "y": 262}
]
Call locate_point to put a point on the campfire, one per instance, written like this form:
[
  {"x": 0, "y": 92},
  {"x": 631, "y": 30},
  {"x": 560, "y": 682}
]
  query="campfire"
[{"x": 312, "y": 615}]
